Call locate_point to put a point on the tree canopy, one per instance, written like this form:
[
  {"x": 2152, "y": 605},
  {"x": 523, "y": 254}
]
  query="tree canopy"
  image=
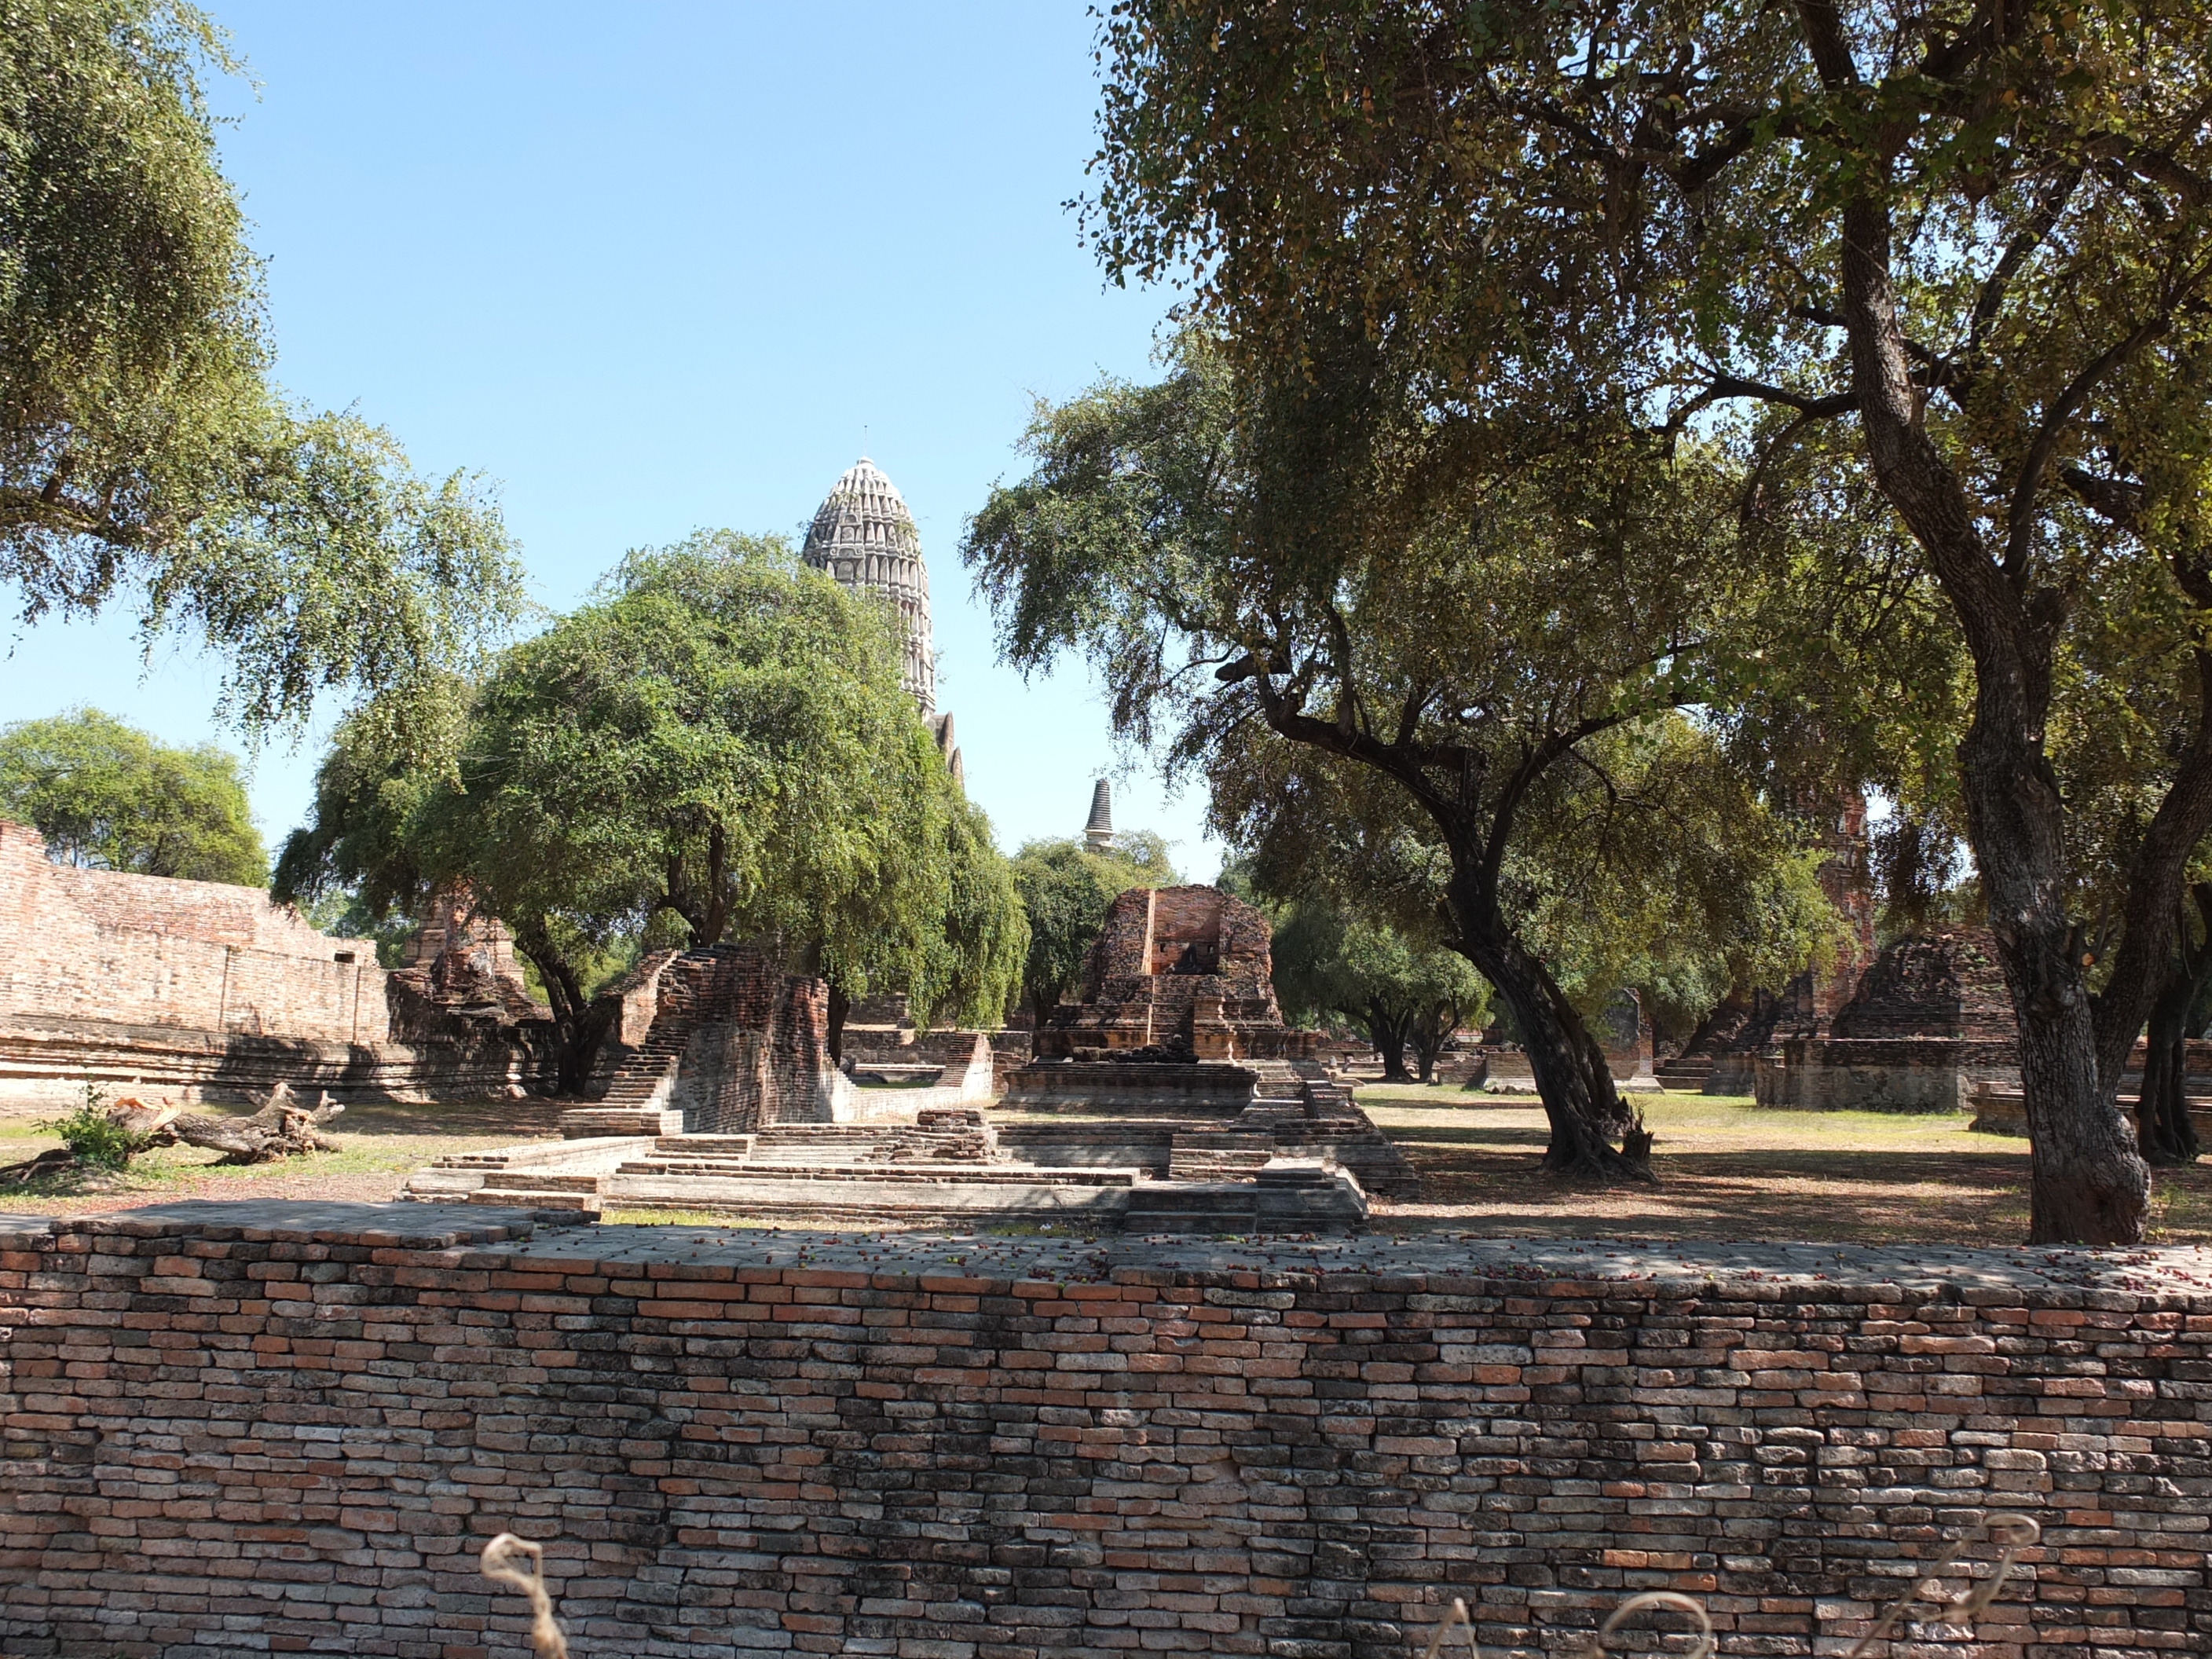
[
  {"x": 1328, "y": 652},
  {"x": 1959, "y": 252},
  {"x": 718, "y": 745},
  {"x": 145, "y": 457},
  {"x": 108, "y": 797},
  {"x": 1404, "y": 992}
]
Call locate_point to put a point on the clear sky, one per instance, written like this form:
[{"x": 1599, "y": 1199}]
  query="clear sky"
[{"x": 652, "y": 267}]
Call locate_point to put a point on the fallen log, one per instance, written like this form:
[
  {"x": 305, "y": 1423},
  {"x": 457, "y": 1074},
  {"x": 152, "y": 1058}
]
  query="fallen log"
[
  {"x": 280, "y": 1128},
  {"x": 52, "y": 1160}
]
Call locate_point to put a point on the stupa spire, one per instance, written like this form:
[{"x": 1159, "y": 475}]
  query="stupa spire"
[
  {"x": 864, "y": 535},
  {"x": 1099, "y": 833}
]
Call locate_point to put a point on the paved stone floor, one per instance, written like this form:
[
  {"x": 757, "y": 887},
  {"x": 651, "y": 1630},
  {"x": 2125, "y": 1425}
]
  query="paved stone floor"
[{"x": 2183, "y": 1270}]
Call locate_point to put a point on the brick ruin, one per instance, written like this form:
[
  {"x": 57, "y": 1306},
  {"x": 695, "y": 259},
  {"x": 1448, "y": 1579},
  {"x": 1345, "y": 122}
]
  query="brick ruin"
[
  {"x": 1183, "y": 972},
  {"x": 291, "y": 1428},
  {"x": 202, "y": 991},
  {"x": 723, "y": 1040},
  {"x": 720, "y": 1098},
  {"x": 1929, "y": 1023}
]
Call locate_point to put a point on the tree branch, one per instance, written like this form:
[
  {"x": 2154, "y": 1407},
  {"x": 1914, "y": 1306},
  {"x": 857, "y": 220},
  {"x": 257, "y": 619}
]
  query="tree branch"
[{"x": 2019, "y": 527}]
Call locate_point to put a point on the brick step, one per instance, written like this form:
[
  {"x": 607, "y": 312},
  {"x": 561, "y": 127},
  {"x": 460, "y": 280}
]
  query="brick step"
[
  {"x": 918, "y": 1204},
  {"x": 1001, "y": 1175},
  {"x": 516, "y": 1198},
  {"x": 526, "y": 1181},
  {"x": 1199, "y": 1208},
  {"x": 1216, "y": 1166},
  {"x": 589, "y": 1122}
]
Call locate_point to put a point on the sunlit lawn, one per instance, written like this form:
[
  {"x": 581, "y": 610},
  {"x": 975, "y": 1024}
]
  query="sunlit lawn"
[
  {"x": 1727, "y": 1170},
  {"x": 378, "y": 1146}
]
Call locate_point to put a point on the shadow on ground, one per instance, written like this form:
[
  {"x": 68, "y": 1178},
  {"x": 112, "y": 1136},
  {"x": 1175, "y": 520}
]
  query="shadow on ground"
[{"x": 1479, "y": 1181}]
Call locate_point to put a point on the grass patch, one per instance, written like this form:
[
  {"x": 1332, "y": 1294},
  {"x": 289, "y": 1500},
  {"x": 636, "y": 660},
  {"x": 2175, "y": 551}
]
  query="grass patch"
[
  {"x": 378, "y": 1146},
  {"x": 1053, "y": 1230}
]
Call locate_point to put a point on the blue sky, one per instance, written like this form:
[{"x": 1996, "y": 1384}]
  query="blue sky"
[{"x": 652, "y": 267}]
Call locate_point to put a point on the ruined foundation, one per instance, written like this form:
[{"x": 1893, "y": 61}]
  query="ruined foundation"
[{"x": 1930, "y": 1026}]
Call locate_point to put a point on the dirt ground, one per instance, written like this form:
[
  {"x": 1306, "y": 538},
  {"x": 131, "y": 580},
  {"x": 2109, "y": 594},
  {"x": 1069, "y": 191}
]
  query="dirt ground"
[{"x": 1726, "y": 1170}]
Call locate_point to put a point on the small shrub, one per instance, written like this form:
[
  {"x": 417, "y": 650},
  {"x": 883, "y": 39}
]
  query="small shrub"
[{"x": 95, "y": 1140}]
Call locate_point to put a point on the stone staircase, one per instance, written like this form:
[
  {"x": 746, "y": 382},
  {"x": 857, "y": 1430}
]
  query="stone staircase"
[
  {"x": 635, "y": 1103},
  {"x": 1686, "y": 1073},
  {"x": 1311, "y": 1115},
  {"x": 1286, "y": 1195},
  {"x": 561, "y": 1174},
  {"x": 1218, "y": 1155}
]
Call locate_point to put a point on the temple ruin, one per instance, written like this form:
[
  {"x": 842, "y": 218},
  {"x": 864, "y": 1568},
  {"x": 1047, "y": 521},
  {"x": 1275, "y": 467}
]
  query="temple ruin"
[
  {"x": 206, "y": 991},
  {"x": 1929, "y": 1022},
  {"x": 1182, "y": 970},
  {"x": 1172, "y": 1099},
  {"x": 863, "y": 534}
]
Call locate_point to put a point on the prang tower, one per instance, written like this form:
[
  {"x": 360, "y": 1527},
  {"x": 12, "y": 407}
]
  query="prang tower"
[{"x": 864, "y": 535}]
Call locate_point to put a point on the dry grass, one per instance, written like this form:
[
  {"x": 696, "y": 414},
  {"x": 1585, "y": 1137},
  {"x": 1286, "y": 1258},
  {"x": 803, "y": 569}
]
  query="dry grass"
[
  {"x": 378, "y": 1146},
  {"x": 1727, "y": 1170}
]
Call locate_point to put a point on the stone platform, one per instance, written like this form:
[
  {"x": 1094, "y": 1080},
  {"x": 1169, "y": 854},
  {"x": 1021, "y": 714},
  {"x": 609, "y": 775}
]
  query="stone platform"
[
  {"x": 1200, "y": 1089},
  {"x": 947, "y": 1167}
]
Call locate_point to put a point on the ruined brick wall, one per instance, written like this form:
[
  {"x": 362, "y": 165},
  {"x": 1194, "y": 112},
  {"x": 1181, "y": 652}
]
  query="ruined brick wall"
[
  {"x": 220, "y": 1441},
  {"x": 758, "y": 1053},
  {"x": 1946, "y": 985},
  {"x": 1882, "y": 1074},
  {"x": 1169, "y": 932},
  {"x": 1164, "y": 953},
  {"x": 199, "y": 990},
  {"x": 150, "y": 950},
  {"x": 45, "y": 1064}
]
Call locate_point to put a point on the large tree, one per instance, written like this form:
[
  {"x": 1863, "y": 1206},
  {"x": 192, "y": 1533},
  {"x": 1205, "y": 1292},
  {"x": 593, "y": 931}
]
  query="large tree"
[
  {"x": 108, "y": 797},
  {"x": 145, "y": 458},
  {"x": 1971, "y": 239},
  {"x": 1250, "y": 592},
  {"x": 1652, "y": 863},
  {"x": 718, "y": 747}
]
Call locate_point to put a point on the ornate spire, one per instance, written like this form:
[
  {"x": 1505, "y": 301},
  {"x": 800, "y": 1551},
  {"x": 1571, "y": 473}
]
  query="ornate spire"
[
  {"x": 864, "y": 535},
  {"x": 1099, "y": 833}
]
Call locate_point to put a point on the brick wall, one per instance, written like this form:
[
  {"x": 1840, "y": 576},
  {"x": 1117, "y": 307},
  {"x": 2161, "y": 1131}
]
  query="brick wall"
[
  {"x": 150, "y": 950},
  {"x": 1947, "y": 985},
  {"x": 199, "y": 990},
  {"x": 759, "y": 1051},
  {"x": 226, "y": 1437}
]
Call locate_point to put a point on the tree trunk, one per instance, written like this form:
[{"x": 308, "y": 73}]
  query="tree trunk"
[
  {"x": 1430, "y": 1031},
  {"x": 1585, "y": 1110},
  {"x": 280, "y": 1128},
  {"x": 2163, "y": 1126},
  {"x": 840, "y": 1007},
  {"x": 2164, "y": 1129},
  {"x": 1387, "y": 1032},
  {"x": 579, "y": 1027},
  {"x": 2089, "y": 1185}
]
